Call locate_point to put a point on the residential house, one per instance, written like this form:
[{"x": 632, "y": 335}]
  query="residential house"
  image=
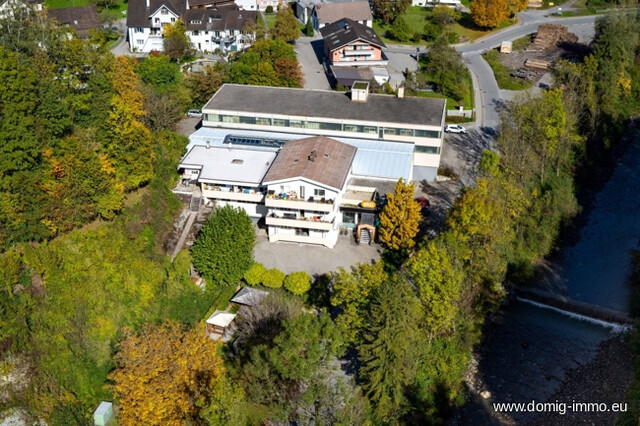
[
  {"x": 398, "y": 137},
  {"x": 80, "y": 18},
  {"x": 221, "y": 27},
  {"x": 275, "y": 4},
  {"x": 328, "y": 13},
  {"x": 304, "y": 188}
]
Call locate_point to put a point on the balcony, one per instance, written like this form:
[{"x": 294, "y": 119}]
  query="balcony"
[
  {"x": 359, "y": 52},
  {"x": 327, "y": 242},
  {"x": 303, "y": 222},
  {"x": 286, "y": 201},
  {"x": 232, "y": 194}
]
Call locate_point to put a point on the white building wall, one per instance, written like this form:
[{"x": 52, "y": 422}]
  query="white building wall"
[{"x": 247, "y": 4}]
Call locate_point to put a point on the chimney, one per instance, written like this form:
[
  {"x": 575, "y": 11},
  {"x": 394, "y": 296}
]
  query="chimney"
[
  {"x": 208, "y": 145},
  {"x": 147, "y": 4},
  {"x": 359, "y": 91},
  {"x": 312, "y": 156},
  {"x": 401, "y": 92}
]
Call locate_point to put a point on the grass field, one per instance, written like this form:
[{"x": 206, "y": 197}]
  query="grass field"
[
  {"x": 417, "y": 16},
  {"x": 59, "y": 4},
  {"x": 503, "y": 75},
  {"x": 522, "y": 42},
  {"x": 271, "y": 20}
]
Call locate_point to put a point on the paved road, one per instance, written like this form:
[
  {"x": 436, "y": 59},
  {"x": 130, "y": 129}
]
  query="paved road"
[{"x": 309, "y": 52}]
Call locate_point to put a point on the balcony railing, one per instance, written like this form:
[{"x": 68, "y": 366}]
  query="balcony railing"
[
  {"x": 293, "y": 202},
  {"x": 302, "y": 222},
  {"x": 233, "y": 194}
]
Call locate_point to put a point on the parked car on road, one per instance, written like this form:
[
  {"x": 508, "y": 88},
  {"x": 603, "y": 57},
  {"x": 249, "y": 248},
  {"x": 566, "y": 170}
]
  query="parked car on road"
[
  {"x": 194, "y": 113},
  {"x": 454, "y": 128}
]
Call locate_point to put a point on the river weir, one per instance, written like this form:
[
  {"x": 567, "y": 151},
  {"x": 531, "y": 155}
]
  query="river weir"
[{"x": 560, "y": 339}]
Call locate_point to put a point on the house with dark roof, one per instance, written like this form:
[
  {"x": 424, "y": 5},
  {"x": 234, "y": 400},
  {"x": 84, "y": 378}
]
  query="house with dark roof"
[
  {"x": 328, "y": 13},
  {"x": 348, "y": 43},
  {"x": 80, "y": 18},
  {"x": 304, "y": 187},
  {"x": 211, "y": 25}
]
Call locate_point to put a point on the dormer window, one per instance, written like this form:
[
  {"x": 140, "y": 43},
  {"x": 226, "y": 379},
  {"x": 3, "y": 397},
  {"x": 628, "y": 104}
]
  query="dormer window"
[
  {"x": 196, "y": 21},
  {"x": 164, "y": 11}
]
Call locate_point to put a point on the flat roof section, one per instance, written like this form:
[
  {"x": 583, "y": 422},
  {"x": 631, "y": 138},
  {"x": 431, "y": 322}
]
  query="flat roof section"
[
  {"x": 327, "y": 104},
  {"x": 374, "y": 158},
  {"x": 233, "y": 165}
]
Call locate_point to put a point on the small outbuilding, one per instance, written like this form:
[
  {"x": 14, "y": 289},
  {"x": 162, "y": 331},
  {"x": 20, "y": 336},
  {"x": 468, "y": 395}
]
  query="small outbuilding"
[
  {"x": 506, "y": 47},
  {"x": 103, "y": 413},
  {"x": 248, "y": 296},
  {"x": 218, "y": 325}
]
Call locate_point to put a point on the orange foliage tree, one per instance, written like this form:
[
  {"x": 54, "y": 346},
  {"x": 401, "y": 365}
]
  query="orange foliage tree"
[
  {"x": 489, "y": 13},
  {"x": 168, "y": 376}
]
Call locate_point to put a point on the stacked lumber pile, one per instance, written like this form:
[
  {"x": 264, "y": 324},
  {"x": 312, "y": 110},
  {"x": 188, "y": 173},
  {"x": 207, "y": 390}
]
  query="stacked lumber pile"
[
  {"x": 535, "y": 4},
  {"x": 547, "y": 37},
  {"x": 539, "y": 64}
]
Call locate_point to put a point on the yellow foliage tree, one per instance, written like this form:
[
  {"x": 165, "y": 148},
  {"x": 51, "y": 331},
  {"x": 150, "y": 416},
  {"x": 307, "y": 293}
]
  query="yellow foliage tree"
[
  {"x": 168, "y": 376},
  {"x": 400, "y": 218},
  {"x": 489, "y": 13},
  {"x": 516, "y": 6}
]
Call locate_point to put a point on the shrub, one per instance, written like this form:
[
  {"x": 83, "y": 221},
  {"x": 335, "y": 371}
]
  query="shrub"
[
  {"x": 254, "y": 275},
  {"x": 400, "y": 30},
  {"x": 417, "y": 37},
  {"x": 273, "y": 278},
  {"x": 269, "y": 9},
  {"x": 298, "y": 282}
]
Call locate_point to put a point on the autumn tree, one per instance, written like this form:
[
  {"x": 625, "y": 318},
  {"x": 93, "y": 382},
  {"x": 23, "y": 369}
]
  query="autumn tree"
[
  {"x": 286, "y": 27},
  {"x": 444, "y": 15},
  {"x": 288, "y": 72},
  {"x": 489, "y": 13},
  {"x": 400, "y": 218},
  {"x": 254, "y": 274},
  {"x": 223, "y": 250},
  {"x": 176, "y": 42},
  {"x": 516, "y": 6},
  {"x": 165, "y": 375},
  {"x": 204, "y": 84},
  {"x": 391, "y": 348},
  {"x": 389, "y": 10},
  {"x": 128, "y": 142}
]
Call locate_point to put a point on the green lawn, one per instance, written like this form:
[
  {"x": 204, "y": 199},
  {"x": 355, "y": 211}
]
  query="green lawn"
[
  {"x": 271, "y": 20},
  {"x": 522, "y": 42},
  {"x": 452, "y": 103},
  {"x": 417, "y": 16},
  {"x": 59, "y": 4},
  {"x": 503, "y": 75}
]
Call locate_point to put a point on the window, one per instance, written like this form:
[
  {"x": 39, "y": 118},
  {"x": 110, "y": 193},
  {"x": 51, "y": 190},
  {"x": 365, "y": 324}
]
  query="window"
[
  {"x": 406, "y": 132},
  {"x": 427, "y": 149},
  {"x": 428, "y": 134},
  {"x": 280, "y": 122},
  {"x": 352, "y": 128},
  {"x": 247, "y": 120},
  {"x": 230, "y": 119},
  {"x": 370, "y": 129},
  {"x": 389, "y": 131},
  {"x": 216, "y": 33},
  {"x": 206, "y": 33},
  {"x": 295, "y": 123},
  {"x": 173, "y": 19},
  {"x": 196, "y": 21},
  {"x": 348, "y": 217},
  {"x": 164, "y": 12},
  {"x": 318, "y": 192},
  {"x": 156, "y": 20},
  {"x": 195, "y": 32},
  {"x": 263, "y": 121},
  {"x": 302, "y": 192},
  {"x": 140, "y": 41},
  {"x": 330, "y": 126}
]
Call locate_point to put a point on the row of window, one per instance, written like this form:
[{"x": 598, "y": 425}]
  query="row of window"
[{"x": 317, "y": 125}]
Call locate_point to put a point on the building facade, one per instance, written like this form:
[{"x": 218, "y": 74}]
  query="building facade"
[
  {"x": 350, "y": 44},
  {"x": 210, "y": 25}
]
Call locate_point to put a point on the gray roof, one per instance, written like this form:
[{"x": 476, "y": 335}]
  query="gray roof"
[
  {"x": 332, "y": 12},
  {"x": 249, "y": 296},
  {"x": 81, "y": 18},
  {"x": 327, "y": 104},
  {"x": 374, "y": 158},
  {"x": 319, "y": 159},
  {"x": 345, "y": 31},
  {"x": 224, "y": 18},
  {"x": 229, "y": 165},
  {"x": 138, "y": 14}
]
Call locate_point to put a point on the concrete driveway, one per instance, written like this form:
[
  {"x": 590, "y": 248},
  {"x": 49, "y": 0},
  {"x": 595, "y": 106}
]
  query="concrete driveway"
[
  {"x": 310, "y": 54},
  {"x": 313, "y": 259}
]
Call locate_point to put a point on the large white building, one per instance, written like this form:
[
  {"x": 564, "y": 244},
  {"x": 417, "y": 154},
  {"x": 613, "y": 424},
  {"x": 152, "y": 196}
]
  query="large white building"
[
  {"x": 211, "y": 25},
  {"x": 310, "y": 162}
]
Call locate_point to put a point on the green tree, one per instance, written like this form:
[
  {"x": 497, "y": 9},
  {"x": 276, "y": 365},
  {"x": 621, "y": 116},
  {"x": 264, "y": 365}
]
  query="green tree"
[
  {"x": 445, "y": 15},
  {"x": 389, "y": 10},
  {"x": 400, "y": 30},
  {"x": 443, "y": 66},
  {"x": 203, "y": 85},
  {"x": 390, "y": 352},
  {"x": 273, "y": 278},
  {"x": 352, "y": 293},
  {"x": 286, "y": 27},
  {"x": 223, "y": 250},
  {"x": 298, "y": 282},
  {"x": 159, "y": 72},
  {"x": 400, "y": 218},
  {"x": 254, "y": 274},
  {"x": 438, "y": 281},
  {"x": 176, "y": 42}
]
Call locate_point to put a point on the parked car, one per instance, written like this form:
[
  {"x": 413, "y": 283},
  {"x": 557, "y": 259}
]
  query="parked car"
[
  {"x": 454, "y": 128},
  {"x": 194, "y": 113}
]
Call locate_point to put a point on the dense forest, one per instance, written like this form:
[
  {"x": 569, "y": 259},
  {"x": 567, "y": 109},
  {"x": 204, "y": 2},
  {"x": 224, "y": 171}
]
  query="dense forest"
[{"x": 91, "y": 308}]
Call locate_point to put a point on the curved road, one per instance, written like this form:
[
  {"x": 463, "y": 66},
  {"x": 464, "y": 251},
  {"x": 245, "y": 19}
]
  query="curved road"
[{"x": 488, "y": 97}]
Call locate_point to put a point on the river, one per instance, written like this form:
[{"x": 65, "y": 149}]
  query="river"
[{"x": 535, "y": 354}]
